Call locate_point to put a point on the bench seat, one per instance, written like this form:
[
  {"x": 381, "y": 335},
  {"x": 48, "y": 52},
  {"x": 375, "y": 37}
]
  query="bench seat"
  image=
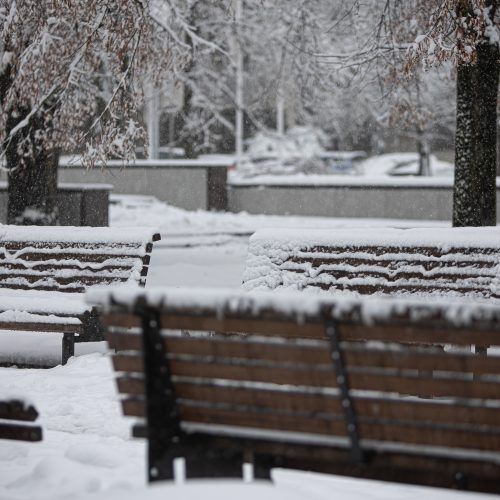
[{"x": 356, "y": 386}]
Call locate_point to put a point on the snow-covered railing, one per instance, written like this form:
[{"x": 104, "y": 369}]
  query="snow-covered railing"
[
  {"x": 461, "y": 262},
  {"x": 283, "y": 379}
]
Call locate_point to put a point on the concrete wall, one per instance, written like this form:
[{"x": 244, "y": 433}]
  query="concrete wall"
[
  {"x": 79, "y": 204},
  {"x": 186, "y": 184},
  {"x": 395, "y": 202}
]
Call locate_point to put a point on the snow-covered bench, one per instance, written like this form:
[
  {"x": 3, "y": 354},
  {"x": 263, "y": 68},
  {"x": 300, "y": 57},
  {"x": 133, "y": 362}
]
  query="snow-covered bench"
[
  {"x": 299, "y": 390},
  {"x": 462, "y": 262},
  {"x": 44, "y": 272},
  {"x": 16, "y": 421}
]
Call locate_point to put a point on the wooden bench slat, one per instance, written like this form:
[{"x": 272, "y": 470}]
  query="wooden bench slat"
[
  {"x": 416, "y": 385},
  {"x": 477, "y": 262},
  {"x": 416, "y": 334},
  {"x": 391, "y": 251},
  {"x": 211, "y": 324},
  {"x": 280, "y": 352},
  {"x": 42, "y": 327},
  {"x": 416, "y": 410},
  {"x": 17, "y": 410},
  {"x": 394, "y": 432},
  {"x": 387, "y": 289},
  {"x": 52, "y": 285},
  {"x": 389, "y": 383},
  {"x": 20, "y": 432},
  {"x": 90, "y": 256},
  {"x": 397, "y": 466},
  {"x": 398, "y": 331}
]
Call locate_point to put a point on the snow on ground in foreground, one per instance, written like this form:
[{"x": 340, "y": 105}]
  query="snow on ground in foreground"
[{"x": 87, "y": 451}]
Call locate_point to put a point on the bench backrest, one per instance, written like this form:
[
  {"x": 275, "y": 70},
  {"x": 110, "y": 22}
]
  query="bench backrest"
[
  {"x": 16, "y": 421},
  {"x": 305, "y": 377},
  {"x": 71, "y": 259},
  {"x": 435, "y": 261}
]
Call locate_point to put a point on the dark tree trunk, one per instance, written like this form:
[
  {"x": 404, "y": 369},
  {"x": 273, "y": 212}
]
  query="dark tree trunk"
[
  {"x": 32, "y": 181},
  {"x": 474, "y": 199},
  {"x": 424, "y": 164},
  {"x": 188, "y": 138}
]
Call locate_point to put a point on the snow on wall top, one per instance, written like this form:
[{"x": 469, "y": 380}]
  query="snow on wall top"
[
  {"x": 184, "y": 163},
  {"x": 68, "y": 234},
  {"x": 442, "y": 238},
  {"x": 300, "y": 179},
  {"x": 294, "y": 305},
  {"x": 73, "y": 186}
]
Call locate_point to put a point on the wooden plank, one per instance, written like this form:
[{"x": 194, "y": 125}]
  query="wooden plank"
[
  {"x": 17, "y": 410},
  {"x": 134, "y": 407},
  {"x": 421, "y": 468},
  {"x": 20, "y": 432},
  {"x": 395, "y": 432},
  {"x": 124, "y": 340},
  {"x": 477, "y": 261},
  {"x": 128, "y": 363},
  {"x": 90, "y": 256},
  {"x": 415, "y": 334},
  {"x": 395, "y": 330},
  {"x": 263, "y": 421},
  {"x": 71, "y": 243},
  {"x": 416, "y": 385},
  {"x": 406, "y": 289},
  {"x": 410, "y": 410},
  {"x": 464, "y": 277},
  {"x": 41, "y": 327},
  {"x": 174, "y": 321},
  {"x": 50, "y": 266},
  {"x": 385, "y": 251},
  {"x": 267, "y": 374},
  {"x": 325, "y": 377},
  {"x": 285, "y": 328},
  {"x": 355, "y": 355},
  {"x": 121, "y": 320}
]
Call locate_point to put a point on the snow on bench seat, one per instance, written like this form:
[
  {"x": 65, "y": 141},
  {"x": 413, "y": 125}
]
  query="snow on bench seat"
[{"x": 430, "y": 261}]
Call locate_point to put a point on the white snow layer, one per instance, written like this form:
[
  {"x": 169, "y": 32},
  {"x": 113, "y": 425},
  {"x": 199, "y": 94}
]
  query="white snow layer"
[
  {"x": 65, "y": 234},
  {"x": 297, "y": 305},
  {"x": 442, "y": 238}
]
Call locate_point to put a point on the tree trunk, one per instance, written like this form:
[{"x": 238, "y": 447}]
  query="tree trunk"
[
  {"x": 424, "y": 164},
  {"x": 32, "y": 182},
  {"x": 474, "y": 197}
]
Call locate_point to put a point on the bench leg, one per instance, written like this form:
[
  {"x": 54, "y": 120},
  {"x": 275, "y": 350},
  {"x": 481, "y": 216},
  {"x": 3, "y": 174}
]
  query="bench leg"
[{"x": 68, "y": 347}]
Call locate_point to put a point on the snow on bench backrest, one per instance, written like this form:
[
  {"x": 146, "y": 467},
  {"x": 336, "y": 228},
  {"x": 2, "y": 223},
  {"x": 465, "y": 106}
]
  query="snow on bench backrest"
[
  {"x": 70, "y": 259},
  {"x": 431, "y": 261}
]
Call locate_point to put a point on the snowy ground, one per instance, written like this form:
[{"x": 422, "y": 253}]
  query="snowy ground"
[{"x": 87, "y": 451}]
